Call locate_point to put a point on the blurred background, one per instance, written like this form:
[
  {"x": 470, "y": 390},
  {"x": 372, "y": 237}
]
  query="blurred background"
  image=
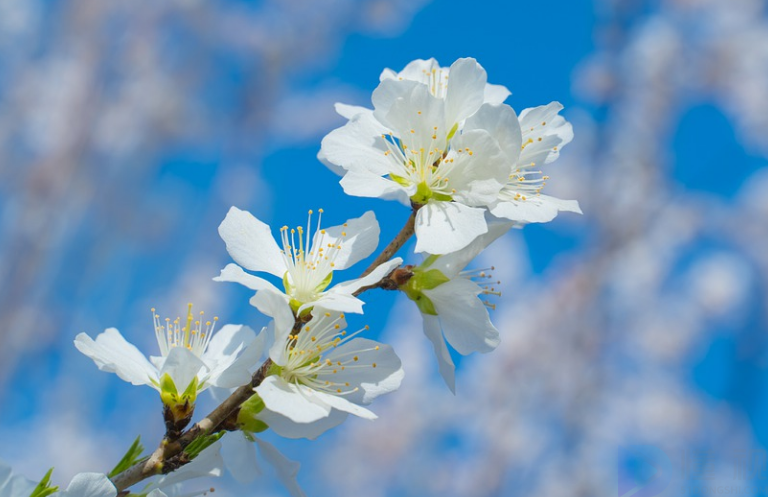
[{"x": 128, "y": 128}]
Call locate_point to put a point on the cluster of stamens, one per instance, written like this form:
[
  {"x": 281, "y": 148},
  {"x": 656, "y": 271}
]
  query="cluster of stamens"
[
  {"x": 309, "y": 263},
  {"x": 307, "y": 363},
  {"x": 526, "y": 182},
  {"x": 194, "y": 335},
  {"x": 481, "y": 277}
]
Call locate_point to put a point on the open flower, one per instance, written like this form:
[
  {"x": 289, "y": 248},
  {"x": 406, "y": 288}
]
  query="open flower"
[
  {"x": 544, "y": 134},
  {"x": 193, "y": 358},
  {"x": 321, "y": 373},
  {"x": 414, "y": 148},
  {"x": 306, "y": 261},
  {"x": 450, "y": 304}
]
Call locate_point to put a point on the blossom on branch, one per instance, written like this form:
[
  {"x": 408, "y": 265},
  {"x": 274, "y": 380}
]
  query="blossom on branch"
[
  {"x": 305, "y": 263},
  {"x": 192, "y": 358},
  {"x": 450, "y": 304},
  {"x": 416, "y": 147}
]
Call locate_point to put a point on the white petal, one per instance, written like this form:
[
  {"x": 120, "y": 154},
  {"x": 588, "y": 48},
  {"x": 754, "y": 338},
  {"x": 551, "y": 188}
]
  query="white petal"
[
  {"x": 444, "y": 361},
  {"x": 90, "y": 485},
  {"x": 455, "y": 262},
  {"x": 113, "y": 354},
  {"x": 182, "y": 366},
  {"x": 286, "y": 469},
  {"x": 502, "y": 124},
  {"x": 545, "y": 133},
  {"x": 286, "y": 399},
  {"x": 387, "y": 93},
  {"x": 235, "y": 274},
  {"x": 343, "y": 404},
  {"x": 538, "y": 209},
  {"x": 418, "y": 70},
  {"x": 334, "y": 301},
  {"x": 284, "y": 427},
  {"x": 240, "y": 457},
  {"x": 275, "y": 305},
  {"x": 226, "y": 368},
  {"x": 444, "y": 227},
  {"x": 463, "y": 317},
  {"x": 382, "y": 270},
  {"x": 495, "y": 94},
  {"x": 358, "y": 145},
  {"x": 414, "y": 118},
  {"x": 350, "y": 111},
  {"x": 371, "y": 381},
  {"x": 466, "y": 90},
  {"x": 477, "y": 178},
  {"x": 358, "y": 238},
  {"x": 367, "y": 184},
  {"x": 250, "y": 243}
]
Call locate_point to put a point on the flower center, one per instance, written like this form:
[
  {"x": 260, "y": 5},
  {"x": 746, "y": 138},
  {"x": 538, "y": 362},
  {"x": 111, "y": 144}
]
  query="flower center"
[
  {"x": 310, "y": 263},
  {"x": 308, "y": 363},
  {"x": 193, "y": 336}
]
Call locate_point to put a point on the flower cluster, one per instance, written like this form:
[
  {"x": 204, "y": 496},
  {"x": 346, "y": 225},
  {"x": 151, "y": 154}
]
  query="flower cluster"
[{"x": 441, "y": 141}]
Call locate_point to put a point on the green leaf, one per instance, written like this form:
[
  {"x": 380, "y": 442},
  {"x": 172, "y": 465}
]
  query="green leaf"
[
  {"x": 131, "y": 457},
  {"x": 201, "y": 443},
  {"x": 44, "y": 488}
]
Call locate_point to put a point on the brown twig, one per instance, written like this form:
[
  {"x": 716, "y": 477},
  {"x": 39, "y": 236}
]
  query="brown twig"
[{"x": 396, "y": 243}]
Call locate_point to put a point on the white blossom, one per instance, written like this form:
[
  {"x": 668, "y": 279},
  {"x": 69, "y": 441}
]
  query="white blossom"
[
  {"x": 306, "y": 262},
  {"x": 14, "y": 485}
]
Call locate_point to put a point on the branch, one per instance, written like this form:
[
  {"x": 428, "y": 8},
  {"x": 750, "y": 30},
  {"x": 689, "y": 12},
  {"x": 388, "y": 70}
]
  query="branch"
[{"x": 396, "y": 243}]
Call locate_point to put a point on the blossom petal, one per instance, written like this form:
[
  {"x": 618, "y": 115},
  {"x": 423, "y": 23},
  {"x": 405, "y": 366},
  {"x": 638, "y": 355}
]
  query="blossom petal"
[
  {"x": 495, "y": 94},
  {"x": 182, "y": 366},
  {"x": 284, "y": 398},
  {"x": 358, "y": 145},
  {"x": 358, "y": 238},
  {"x": 444, "y": 227},
  {"x": 235, "y": 274},
  {"x": 250, "y": 243},
  {"x": 444, "y": 362},
  {"x": 90, "y": 485},
  {"x": 284, "y": 427},
  {"x": 382, "y": 270},
  {"x": 417, "y": 70},
  {"x": 372, "y": 381},
  {"x": 545, "y": 133},
  {"x": 350, "y": 111},
  {"x": 417, "y": 117},
  {"x": 113, "y": 354},
  {"x": 479, "y": 172},
  {"x": 366, "y": 184},
  {"x": 228, "y": 368},
  {"x": 387, "y": 93},
  {"x": 285, "y": 468},
  {"x": 455, "y": 262},
  {"x": 463, "y": 317},
  {"x": 538, "y": 209},
  {"x": 466, "y": 90},
  {"x": 275, "y": 305},
  {"x": 335, "y": 301},
  {"x": 502, "y": 124},
  {"x": 343, "y": 404},
  {"x": 240, "y": 457}
]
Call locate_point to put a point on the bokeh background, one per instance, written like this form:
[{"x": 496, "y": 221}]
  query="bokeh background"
[{"x": 128, "y": 128}]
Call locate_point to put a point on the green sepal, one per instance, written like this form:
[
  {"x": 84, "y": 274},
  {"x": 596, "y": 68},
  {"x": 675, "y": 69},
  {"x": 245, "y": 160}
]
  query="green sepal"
[
  {"x": 295, "y": 304},
  {"x": 422, "y": 195},
  {"x": 452, "y": 132},
  {"x": 420, "y": 281},
  {"x": 44, "y": 488},
  {"x": 324, "y": 284},
  {"x": 274, "y": 369},
  {"x": 131, "y": 457},
  {"x": 286, "y": 284},
  {"x": 201, "y": 443},
  {"x": 400, "y": 180},
  {"x": 442, "y": 197},
  {"x": 180, "y": 405},
  {"x": 246, "y": 418},
  {"x": 429, "y": 261}
]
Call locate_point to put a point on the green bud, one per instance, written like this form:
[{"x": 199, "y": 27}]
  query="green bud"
[
  {"x": 246, "y": 418},
  {"x": 181, "y": 405},
  {"x": 423, "y": 194}
]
